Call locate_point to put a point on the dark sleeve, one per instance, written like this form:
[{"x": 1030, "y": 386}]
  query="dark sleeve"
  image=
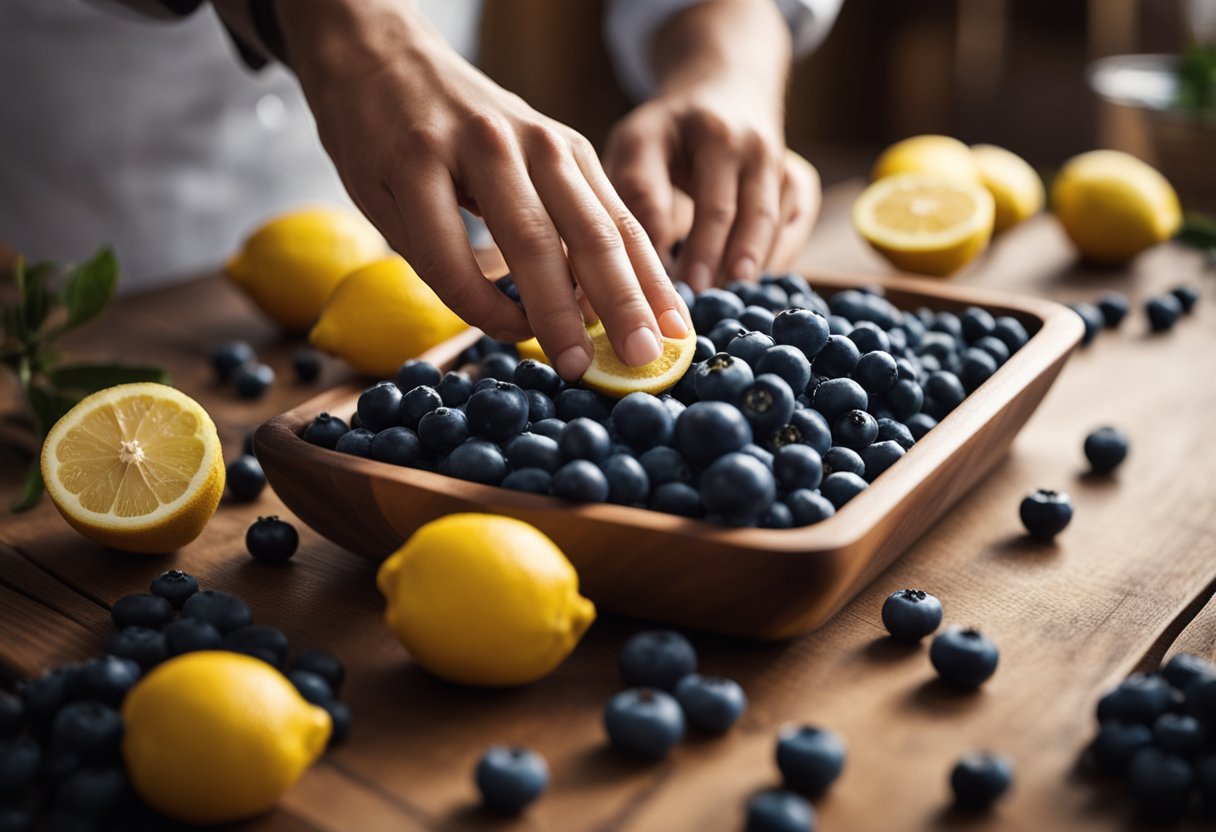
[{"x": 262, "y": 14}]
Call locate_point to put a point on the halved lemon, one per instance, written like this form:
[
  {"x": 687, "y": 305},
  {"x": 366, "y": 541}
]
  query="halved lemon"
[
  {"x": 925, "y": 223},
  {"x": 136, "y": 467},
  {"x": 613, "y": 377}
]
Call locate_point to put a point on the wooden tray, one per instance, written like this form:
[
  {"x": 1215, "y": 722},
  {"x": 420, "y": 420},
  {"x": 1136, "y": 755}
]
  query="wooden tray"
[{"x": 756, "y": 583}]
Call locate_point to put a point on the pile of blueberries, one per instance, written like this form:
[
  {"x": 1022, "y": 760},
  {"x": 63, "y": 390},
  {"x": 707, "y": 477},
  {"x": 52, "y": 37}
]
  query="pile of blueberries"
[
  {"x": 1162, "y": 311},
  {"x": 793, "y": 405},
  {"x": 1157, "y": 733},
  {"x": 61, "y": 733}
]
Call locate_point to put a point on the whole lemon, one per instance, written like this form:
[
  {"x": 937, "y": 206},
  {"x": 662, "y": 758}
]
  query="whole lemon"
[
  {"x": 291, "y": 265},
  {"x": 382, "y": 314},
  {"x": 927, "y": 154},
  {"x": 1016, "y": 189},
  {"x": 1113, "y": 206},
  {"x": 214, "y": 736},
  {"x": 480, "y": 599}
]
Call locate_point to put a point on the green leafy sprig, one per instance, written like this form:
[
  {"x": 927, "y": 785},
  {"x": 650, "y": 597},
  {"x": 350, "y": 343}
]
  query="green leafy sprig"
[
  {"x": 30, "y": 329},
  {"x": 1199, "y": 231}
]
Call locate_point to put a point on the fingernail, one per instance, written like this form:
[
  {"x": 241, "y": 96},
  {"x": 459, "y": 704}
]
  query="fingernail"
[
  {"x": 699, "y": 276},
  {"x": 641, "y": 347},
  {"x": 572, "y": 363},
  {"x": 671, "y": 324},
  {"x": 745, "y": 269}
]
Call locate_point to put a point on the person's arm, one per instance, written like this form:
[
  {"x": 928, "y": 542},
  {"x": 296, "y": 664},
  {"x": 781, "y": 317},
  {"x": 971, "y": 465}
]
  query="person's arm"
[
  {"x": 714, "y": 131},
  {"x": 414, "y": 131}
]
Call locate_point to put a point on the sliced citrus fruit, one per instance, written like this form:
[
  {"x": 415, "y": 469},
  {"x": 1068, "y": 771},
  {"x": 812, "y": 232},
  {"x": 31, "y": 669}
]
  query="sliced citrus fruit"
[
  {"x": 924, "y": 222},
  {"x": 531, "y": 349},
  {"x": 1016, "y": 189},
  {"x": 136, "y": 467},
  {"x": 613, "y": 377}
]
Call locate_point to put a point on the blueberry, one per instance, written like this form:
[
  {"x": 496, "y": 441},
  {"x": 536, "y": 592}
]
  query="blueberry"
[
  {"x": 708, "y": 430},
  {"x": 939, "y": 346},
  {"x": 90, "y": 730},
  {"x": 12, "y": 713},
  {"x": 994, "y": 347},
  {"x": 677, "y": 498},
  {"x": 855, "y": 429},
  {"x": 664, "y": 465},
  {"x": 778, "y": 516},
  {"x": 266, "y": 643},
  {"x": 499, "y": 412},
  {"x": 758, "y": 319},
  {"x": 1178, "y": 734},
  {"x": 808, "y": 507},
  {"x": 506, "y": 285},
  {"x": 106, "y": 679},
  {"x": 768, "y": 403},
  {"x": 175, "y": 586},
  {"x": 837, "y": 396},
  {"x": 93, "y": 792},
  {"x": 1140, "y": 697},
  {"x": 879, "y": 457},
  {"x": 325, "y": 430},
  {"x": 710, "y": 703},
  {"x": 919, "y": 424},
  {"x": 792, "y": 282},
  {"x": 722, "y": 378},
  {"x": 1116, "y": 742},
  {"x": 551, "y": 428},
  {"x": 20, "y": 760},
  {"x": 657, "y": 659},
  {"x": 911, "y": 614},
  {"x": 739, "y": 487},
  {"x": 787, "y": 362},
  {"x": 306, "y": 363},
  {"x": 454, "y": 388},
  {"x": 379, "y": 406},
  {"x": 1045, "y": 513},
  {"x": 642, "y": 421},
  {"x": 801, "y": 328},
  {"x": 340, "y": 718},
  {"x": 476, "y": 461},
  {"x": 945, "y": 388},
  {"x": 1187, "y": 296},
  {"x": 499, "y": 366},
  {"x": 229, "y": 356},
  {"x": 417, "y": 403},
  {"x": 890, "y": 430},
  {"x": 684, "y": 391},
  {"x": 627, "y": 481},
  {"x": 975, "y": 323},
  {"x": 1199, "y": 697},
  {"x": 749, "y": 347},
  {"x": 531, "y": 374},
  {"x": 531, "y": 450},
  {"x": 1205, "y": 777},
  {"x": 840, "y": 325},
  {"x": 837, "y": 359},
  {"x": 810, "y": 758},
  {"x": 1161, "y": 783},
  {"x": 143, "y": 610},
  {"x": 142, "y": 645},
  {"x": 580, "y": 481},
  {"x": 1093, "y": 319},
  {"x": 311, "y": 686},
  {"x": 414, "y": 373},
  {"x": 397, "y": 445},
  {"x": 762, "y": 454},
  {"x": 223, "y": 611},
  {"x": 797, "y": 466},
  {"x": 252, "y": 380},
  {"x": 843, "y": 460},
  {"x": 321, "y": 663},
  {"x": 245, "y": 479},
  {"x": 43, "y": 696},
  {"x": 839, "y": 488},
  {"x": 357, "y": 442},
  {"x": 806, "y": 427},
  {"x": 272, "y": 540},
  {"x": 869, "y": 337},
  {"x": 965, "y": 658},
  {"x": 485, "y": 384},
  {"x": 1011, "y": 332},
  {"x": 979, "y": 779},
  {"x": 713, "y": 305},
  {"x": 778, "y": 810},
  {"x": 724, "y": 332},
  {"x": 510, "y": 779},
  {"x": 573, "y": 403},
  {"x": 1163, "y": 312},
  {"x": 704, "y": 349},
  {"x": 1184, "y": 668},
  {"x": 976, "y": 367},
  {"x": 1113, "y": 306},
  {"x": 1105, "y": 448},
  {"x": 443, "y": 429},
  {"x": 531, "y": 480},
  {"x": 187, "y": 635},
  {"x": 876, "y": 372},
  {"x": 584, "y": 439},
  {"x": 644, "y": 722}
]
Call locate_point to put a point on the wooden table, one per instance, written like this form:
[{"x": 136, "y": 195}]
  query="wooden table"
[{"x": 1125, "y": 584}]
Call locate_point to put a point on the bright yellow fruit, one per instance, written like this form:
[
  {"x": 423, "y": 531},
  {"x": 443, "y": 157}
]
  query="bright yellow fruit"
[
  {"x": 927, "y": 154},
  {"x": 1113, "y": 205},
  {"x": 214, "y": 736},
  {"x": 381, "y": 315},
  {"x": 480, "y": 599},
  {"x": 613, "y": 377},
  {"x": 291, "y": 265},
  {"x": 1016, "y": 189},
  {"x": 925, "y": 223},
  {"x": 136, "y": 467},
  {"x": 531, "y": 349}
]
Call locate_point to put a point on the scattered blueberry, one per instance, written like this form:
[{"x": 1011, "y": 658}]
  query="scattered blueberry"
[
  {"x": 306, "y": 362},
  {"x": 965, "y": 658},
  {"x": 1092, "y": 317},
  {"x": 711, "y": 704},
  {"x": 223, "y": 611},
  {"x": 175, "y": 586},
  {"x": 1184, "y": 668},
  {"x": 245, "y": 479},
  {"x": 312, "y": 687},
  {"x": 1141, "y": 697},
  {"x": 979, "y": 779},
  {"x": 657, "y": 659},
  {"x": 252, "y": 380},
  {"x": 105, "y": 679},
  {"x": 142, "y": 610},
  {"x": 810, "y": 758},
  {"x": 778, "y": 810},
  {"x": 188, "y": 635},
  {"x": 911, "y": 614},
  {"x": 323, "y": 664},
  {"x": 1163, "y": 312},
  {"x": 229, "y": 356},
  {"x": 1045, "y": 513},
  {"x": 272, "y": 540},
  {"x": 1105, "y": 448},
  {"x": 266, "y": 643},
  {"x": 511, "y": 779},
  {"x": 1178, "y": 734},
  {"x": 1116, "y": 743},
  {"x": 1187, "y": 296},
  {"x": 142, "y": 645},
  {"x": 644, "y": 722},
  {"x": 1113, "y": 306},
  {"x": 340, "y": 718}
]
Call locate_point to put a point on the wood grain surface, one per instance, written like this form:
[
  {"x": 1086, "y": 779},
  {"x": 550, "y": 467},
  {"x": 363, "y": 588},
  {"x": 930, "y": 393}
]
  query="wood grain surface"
[{"x": 1128, "y": 579}]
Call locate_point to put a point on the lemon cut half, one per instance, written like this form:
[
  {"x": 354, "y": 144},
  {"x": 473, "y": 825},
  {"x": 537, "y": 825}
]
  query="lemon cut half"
[
  {"x": 925, "y": 223},
  {"x": 613, "y": 377},
  {"x": 136, "y": 467}
]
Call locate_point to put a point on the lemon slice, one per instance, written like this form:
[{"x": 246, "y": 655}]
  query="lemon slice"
[
  {"x": 136, "y": 467},
  {"x": 924, "y": 222},
  {"x": 613, "y": 377},
  {"x": 531, "y": 349}
]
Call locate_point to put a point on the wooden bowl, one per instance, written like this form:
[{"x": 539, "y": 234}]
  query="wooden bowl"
[{"x": 756, "y": 583}]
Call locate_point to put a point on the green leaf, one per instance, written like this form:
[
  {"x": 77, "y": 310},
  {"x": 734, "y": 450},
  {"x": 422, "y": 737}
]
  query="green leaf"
[
  {"x": 1198, "y": 231},
  {"x": 89, "y": 378},
  {"x": 90, "y": 287},
  {"x": 48, "y": 406},
  {"x": 32, "y": 490},
  {"x": 37, "y": 299}
]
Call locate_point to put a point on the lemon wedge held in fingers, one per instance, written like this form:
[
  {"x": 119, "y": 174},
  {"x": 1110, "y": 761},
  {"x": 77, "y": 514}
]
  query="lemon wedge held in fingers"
[{"x": 613, "y": 377}]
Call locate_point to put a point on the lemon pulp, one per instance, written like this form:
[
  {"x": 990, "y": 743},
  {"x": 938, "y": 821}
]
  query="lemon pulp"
[{"x": 613, "y": 377}]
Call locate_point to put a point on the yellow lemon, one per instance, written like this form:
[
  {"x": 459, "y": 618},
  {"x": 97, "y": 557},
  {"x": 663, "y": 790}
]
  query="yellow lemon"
[
  {"x": 1016, "y": 189},
  {"x": 479, "y": 599},
  {"x": 1113, "y": 205},
  {"x": 291, "y": 265},
  {"x": 136, "y": 467},
  {"x": 531, "y": 349},
  {"x": 213, "y": 737},
  {"x": 927, "y": 154},
  {"x": 925, "y": 223},
  {"x": 381, "y": 315},
  {"x": 613, "y": 377}
]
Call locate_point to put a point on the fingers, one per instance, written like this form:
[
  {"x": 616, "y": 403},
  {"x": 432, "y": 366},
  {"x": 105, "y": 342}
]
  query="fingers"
[
  {"x": 428, "y": 232},
  {"x": 755, "y": 227},
  {"x": 714, "y": 190},
  {"x": 800, "y": 202},
  {"x": 637, "y": 163}
]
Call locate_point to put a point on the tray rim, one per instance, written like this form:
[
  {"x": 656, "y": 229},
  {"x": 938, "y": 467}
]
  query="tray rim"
[{"x": 1059, "y": 332}]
